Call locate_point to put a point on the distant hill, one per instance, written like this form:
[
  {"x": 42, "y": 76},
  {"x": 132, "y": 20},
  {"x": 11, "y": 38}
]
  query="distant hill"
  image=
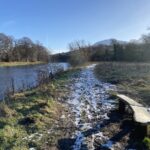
[
  {"x": 108, "y": 42},
  {"x": 96, "y": 51}
]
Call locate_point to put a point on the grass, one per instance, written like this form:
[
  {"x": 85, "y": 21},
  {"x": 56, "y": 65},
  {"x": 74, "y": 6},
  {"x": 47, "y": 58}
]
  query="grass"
[
  {"x": 31, "y": 114},
  {"x": 13, "y": 64},
  {"x": 146, "y": 141},
  {"x": 132, "y": 79}
]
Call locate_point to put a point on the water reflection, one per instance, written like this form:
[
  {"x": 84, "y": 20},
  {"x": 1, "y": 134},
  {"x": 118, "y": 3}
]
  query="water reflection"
[{"x": 24, "y": 77}]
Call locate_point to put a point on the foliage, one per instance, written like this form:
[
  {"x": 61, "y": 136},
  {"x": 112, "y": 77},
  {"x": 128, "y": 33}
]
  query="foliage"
[{"x": 146, "y": 141}]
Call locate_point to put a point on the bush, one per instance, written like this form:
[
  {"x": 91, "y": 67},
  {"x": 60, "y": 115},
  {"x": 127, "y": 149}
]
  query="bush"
[{"x": 146, "y": 142}]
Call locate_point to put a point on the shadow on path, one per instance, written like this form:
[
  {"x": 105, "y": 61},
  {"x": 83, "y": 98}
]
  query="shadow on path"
[{"x": 124, "y": 133}]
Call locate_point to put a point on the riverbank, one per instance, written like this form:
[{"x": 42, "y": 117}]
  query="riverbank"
[
  {"x": 34, "y": 119},
  {"x": 14, "y": 64},
  {"x": 72, "y": 112}
]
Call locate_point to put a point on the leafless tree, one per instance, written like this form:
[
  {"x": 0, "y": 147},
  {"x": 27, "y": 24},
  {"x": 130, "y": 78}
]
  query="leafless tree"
[
  {"x": 6, "y": 44},
  {"x": 23, "y": 49},
  {"x": 79, "y": 53}
]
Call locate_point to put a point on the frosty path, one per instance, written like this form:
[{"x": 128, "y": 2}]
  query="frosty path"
[{"x": 90, "y": 106}]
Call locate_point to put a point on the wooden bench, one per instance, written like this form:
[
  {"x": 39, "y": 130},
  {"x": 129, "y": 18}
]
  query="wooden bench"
[{"x": 140, "y": 113}]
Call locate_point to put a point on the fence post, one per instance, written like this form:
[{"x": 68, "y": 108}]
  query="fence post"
[{"x": 148, "y": 129}]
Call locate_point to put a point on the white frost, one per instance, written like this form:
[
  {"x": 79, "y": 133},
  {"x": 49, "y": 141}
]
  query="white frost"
[{"x": 87, "y": 93}]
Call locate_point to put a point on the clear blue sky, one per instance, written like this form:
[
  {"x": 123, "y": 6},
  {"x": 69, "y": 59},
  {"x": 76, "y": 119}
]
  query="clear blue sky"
[{"x": 55, "y": 23}]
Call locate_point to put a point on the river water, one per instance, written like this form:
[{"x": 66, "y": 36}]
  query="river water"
[{"x": 24, "y": 77}]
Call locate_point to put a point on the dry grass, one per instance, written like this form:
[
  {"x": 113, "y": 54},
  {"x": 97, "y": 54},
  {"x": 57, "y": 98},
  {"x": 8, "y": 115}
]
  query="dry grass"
[
  {"x": 12, "y": 64},
  {"x": 33, "y": 112},
  {"x": 132, "y": 79}
]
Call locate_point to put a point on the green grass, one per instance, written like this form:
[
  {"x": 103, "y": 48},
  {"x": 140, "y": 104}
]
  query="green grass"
[
  {"x": 146, "y": 142},
  {"x": 33, "y": 113},
  {"x": 13, "y": 64}
]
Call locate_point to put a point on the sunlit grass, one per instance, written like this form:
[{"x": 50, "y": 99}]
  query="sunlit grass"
[
  {"x": 11, "y": 64},
  {"x": 132, "y": 79},
  {"x": 32, "y": 113}
]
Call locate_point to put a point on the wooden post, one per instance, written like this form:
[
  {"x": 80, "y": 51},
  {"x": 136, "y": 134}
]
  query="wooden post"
[
  {"x": 148, "y": 130},
  {"x": 121, "y": 107}
]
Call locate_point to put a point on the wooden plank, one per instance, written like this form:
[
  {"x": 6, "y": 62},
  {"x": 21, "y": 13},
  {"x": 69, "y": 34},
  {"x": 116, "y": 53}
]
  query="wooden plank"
[
  {"x": 148, "y": 130},
  {"x": 140, "y": 113},
  {"x": 128, "y": 100}
]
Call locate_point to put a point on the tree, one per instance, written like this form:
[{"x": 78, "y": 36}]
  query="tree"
[
  {"x": 26, "y": 50},
  {"x": 6, "y": 44},
  {"x": 78, "y": 53},
  {"x": 24, "y": 46},
  {"x": 42, "y": 52}
]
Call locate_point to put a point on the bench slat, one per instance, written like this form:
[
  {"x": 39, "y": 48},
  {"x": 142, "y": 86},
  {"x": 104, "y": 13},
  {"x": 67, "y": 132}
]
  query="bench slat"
[
  {"x": 141, "y": 115},
  {"x": 128, "y": 100}
]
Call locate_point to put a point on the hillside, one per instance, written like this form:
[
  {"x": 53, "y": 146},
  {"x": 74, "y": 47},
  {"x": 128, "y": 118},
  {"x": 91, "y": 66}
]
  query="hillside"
[{"x": 108, "y": 42}]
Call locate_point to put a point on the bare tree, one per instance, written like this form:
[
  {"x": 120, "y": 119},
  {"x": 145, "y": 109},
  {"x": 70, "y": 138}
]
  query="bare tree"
[
  {"x": 23, "y": 49},
  {"x": 79, "y": 53},
  {"x": 6, "y": 44}
]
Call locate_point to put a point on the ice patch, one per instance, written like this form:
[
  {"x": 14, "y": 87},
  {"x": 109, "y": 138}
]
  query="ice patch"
[
  {"x": 108, "y": 144},
  {"x": 89, "y": 103},
  {"x": 78, "y": 141}
]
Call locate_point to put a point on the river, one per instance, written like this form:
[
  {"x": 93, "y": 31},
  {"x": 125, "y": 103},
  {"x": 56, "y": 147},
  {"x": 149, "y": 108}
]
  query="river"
[{"x": 24, "y": 77}]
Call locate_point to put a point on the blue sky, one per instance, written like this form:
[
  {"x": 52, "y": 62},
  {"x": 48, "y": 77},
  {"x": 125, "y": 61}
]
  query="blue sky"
[{"x": 55, "y": 23}]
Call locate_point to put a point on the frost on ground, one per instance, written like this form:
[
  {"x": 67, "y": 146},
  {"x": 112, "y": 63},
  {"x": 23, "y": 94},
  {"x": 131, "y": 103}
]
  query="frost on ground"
[
  {"x": 90, "y": 105},
  {"x": 91, "y": 121}
]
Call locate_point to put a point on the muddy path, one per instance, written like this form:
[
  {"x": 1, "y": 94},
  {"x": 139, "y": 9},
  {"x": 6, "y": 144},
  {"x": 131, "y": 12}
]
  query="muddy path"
[
  {"x": 90, "y": 106},
  {"x": 89, "y": 119},
  {"x": 97, "y": 123}
]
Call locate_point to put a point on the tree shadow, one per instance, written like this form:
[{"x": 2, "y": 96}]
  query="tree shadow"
[
  {"x": 136, "y": 137},
  {"x": 65, "y": 144},
  {"x": 126, "y": 128}
]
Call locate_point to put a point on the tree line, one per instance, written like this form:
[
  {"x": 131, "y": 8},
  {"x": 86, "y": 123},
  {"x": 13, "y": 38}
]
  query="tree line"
[
  {"x": 23, "y": 49},
  {"x": 133, "y": 51}
]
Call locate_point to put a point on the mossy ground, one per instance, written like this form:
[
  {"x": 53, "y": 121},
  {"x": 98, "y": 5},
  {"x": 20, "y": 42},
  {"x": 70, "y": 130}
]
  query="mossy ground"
[{"x": 30, "y": 119}]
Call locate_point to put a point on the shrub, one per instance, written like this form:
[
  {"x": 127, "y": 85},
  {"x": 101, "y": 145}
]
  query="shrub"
[{"x": 146, "y": 142}]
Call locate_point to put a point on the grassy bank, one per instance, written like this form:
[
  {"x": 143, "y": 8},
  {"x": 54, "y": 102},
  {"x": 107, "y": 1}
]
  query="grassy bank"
[
  {"x": 31, "y": 119},
  {"x": 132, "y": 79},
  {"x": 13, "y": 64}
]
